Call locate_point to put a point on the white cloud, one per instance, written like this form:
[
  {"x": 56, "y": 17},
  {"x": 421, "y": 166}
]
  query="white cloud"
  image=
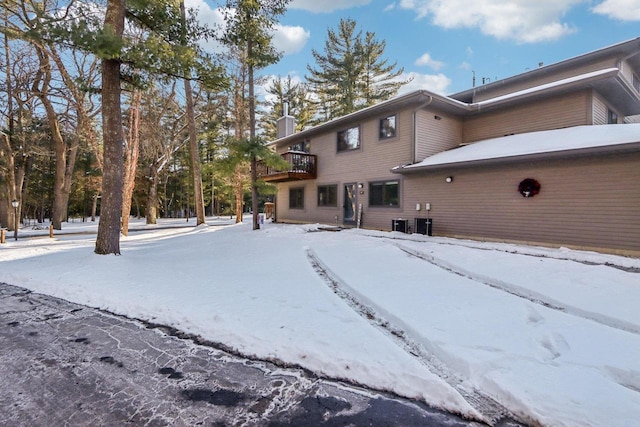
[
  {"x": 524, "y": 21},
  {"x": 623, "y": 10},
  {"x": 465, "y": 66},
  {"x": 427, "y": 60},
  {"x": 390, "y": 7},
  {"x": 326, "y": 6},
  {"x": 211, "y": 17},
  {"x": 206, "y": 14},
  {"x": 286, "y": 39},
  {"x": 289, "y": 39},
  {"x": 438, "y": 83}
]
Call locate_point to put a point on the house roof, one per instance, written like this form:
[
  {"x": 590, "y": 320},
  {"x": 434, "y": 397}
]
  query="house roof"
[
  {"x": 415, "y": 98},
  {"x": 608, "y": 81},
  {"x": 567, "y": 142},
  {"x": 629, "y": 50}
]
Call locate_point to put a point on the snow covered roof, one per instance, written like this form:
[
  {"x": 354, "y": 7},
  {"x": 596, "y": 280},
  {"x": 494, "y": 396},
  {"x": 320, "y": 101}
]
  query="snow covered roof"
[
  {"x": 607, "y": 72},
  {"x": 550, "y": 143}
]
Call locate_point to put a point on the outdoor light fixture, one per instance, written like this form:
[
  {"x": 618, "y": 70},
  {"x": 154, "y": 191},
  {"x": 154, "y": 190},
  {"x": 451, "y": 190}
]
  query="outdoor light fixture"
[
  {"x": 15, "y": 205},
  {"x": 449, "y": 179},
  {"x": 360, "y": 185}
]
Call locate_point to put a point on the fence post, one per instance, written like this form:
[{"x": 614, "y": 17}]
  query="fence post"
[
  {"x": 3, "y": 237},
  {"x": 51, "y": 231}
]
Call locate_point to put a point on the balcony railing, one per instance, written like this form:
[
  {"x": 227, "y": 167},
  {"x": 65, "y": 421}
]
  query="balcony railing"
[{"x": 301, "y": 166}]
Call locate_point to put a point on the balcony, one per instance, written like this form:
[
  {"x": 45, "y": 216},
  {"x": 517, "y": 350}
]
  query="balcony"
[{"x": 301, "y": 166}]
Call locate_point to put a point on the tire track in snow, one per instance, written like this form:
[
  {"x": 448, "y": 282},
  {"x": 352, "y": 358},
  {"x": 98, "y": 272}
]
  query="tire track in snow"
[
  {"x": 524, "y": 293},
  {"x": 493, "y": 412}
]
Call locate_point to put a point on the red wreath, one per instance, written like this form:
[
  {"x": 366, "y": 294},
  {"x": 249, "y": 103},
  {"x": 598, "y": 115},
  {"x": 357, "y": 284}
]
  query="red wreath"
[{"x": 529, "y": 187}]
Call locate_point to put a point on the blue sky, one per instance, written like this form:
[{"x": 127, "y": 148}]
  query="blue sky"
[{"x": 441, "y": 43}]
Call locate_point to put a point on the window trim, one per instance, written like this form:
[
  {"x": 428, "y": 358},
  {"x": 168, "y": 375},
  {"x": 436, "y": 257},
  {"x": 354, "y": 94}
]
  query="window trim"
[
  {"x": 291, "y": 206},
  {"x": 358, "y": 127},
  {"x": 395, "y": 127},
  {"x": 335, "y": 202},
  {"x": 384, "y": 182}
]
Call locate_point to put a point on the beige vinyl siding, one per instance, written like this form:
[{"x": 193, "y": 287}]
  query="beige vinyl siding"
[
  {"x": 627, "y": 72},
  {"x": 554, "y": 113},
  {"x": 483, "y": 92},
  {"x": 599, "y": 111},
  {"x": 588, "y": 203},
  {"x": 371, "y": 162},
  {"x": 436, "y": 135}
]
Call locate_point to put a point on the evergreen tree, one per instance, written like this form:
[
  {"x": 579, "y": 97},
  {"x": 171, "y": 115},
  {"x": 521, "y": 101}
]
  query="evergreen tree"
[
  {"x": 295, "y": 95},
  {"x": 249, "y": 28},
  {"x": 379, "y": 81},
  {"x": 351, "y": 73},
  {"x": 338, "y": 71}
]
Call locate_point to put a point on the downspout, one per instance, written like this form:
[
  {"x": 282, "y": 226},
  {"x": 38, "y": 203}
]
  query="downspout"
[{"x": 414, "y": 142}]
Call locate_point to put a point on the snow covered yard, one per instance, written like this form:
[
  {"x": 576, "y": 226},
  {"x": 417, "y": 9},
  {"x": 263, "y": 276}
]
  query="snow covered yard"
[{"x": 552, "y": 335}]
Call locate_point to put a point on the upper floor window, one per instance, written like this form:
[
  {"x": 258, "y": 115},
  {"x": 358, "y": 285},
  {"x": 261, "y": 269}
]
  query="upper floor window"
[
  {"x": 384, "y": 193},
  {"x": 349, "y": 139},
  {"x": 612, "y": 117},
  {"x": 302, "y": 146},
  {"x": 387, "y": 127},
  {"x": 328, "y": 195},
  {"x": 296, "y": 198}
]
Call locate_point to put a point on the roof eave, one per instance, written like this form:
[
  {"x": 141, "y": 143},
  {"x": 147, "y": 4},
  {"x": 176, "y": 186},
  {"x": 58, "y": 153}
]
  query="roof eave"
[
  {"x": 624, "y": 148},
  {"x": 415, "y": 98},
  {"x": 626, "y": 49}
]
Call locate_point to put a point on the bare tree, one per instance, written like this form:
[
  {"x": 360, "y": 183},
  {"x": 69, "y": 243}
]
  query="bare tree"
[{"x": 132, "y": 152}]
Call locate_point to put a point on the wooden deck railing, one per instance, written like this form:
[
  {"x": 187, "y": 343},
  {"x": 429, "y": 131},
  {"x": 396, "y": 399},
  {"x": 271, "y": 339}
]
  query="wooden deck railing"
[{"x": 301, "y": 166}]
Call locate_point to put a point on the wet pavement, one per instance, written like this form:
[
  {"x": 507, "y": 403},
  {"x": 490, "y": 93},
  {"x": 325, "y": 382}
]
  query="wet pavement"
[{"x": 67, "y": 364}]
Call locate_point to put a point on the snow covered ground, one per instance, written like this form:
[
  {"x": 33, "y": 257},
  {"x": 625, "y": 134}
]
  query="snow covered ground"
[{"x": 553, "y": 335}]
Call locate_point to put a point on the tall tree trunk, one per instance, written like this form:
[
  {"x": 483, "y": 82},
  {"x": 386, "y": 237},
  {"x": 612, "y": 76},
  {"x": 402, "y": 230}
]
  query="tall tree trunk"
[
  {"x": 196, "y": 170},
  {"x": 94, "y": 206},
  {"x": 131, "y": 158},
  {"x": 108, "y": 239},
  {"x": 152, "y": 196},
  {"x": 72, "y": 155},
  {"x": 41, "y": 88},
  {"x": 239, "y": 191},
  {"x": 252, "y": 135},
  {"x": 6, "y": 152},
  {"x": 12, "y": 181}
]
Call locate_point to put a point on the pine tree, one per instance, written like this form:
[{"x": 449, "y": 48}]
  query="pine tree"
[
  {"x": 249, "y": 28},
  {"x": 379, "y": 81},
  {"x": 351, "y": 73},
  {"x": 295, "y": 95}
]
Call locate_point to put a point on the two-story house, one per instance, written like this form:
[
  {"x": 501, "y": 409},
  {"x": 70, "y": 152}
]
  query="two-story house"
[{"x": 550, "y": 157}]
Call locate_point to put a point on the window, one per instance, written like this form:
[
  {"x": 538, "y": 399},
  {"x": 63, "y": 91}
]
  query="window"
[
  {"x": 296, "y": 198},
  {"x": 612, "y": 117},
  {"x": 349, "y": 139},
  {"x": 387, "y": 127},
  {"x": 302, "y": 147},
  {"x": 328, "y": 195},
  {"x": 384, "y": 193}
]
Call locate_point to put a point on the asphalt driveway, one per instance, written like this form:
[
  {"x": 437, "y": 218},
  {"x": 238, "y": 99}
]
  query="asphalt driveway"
[{"x": 66, "y": 364}]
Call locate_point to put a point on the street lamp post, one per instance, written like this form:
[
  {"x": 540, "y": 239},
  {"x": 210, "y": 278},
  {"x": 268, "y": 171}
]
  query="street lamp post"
[{"x": 15, "y": 205}]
